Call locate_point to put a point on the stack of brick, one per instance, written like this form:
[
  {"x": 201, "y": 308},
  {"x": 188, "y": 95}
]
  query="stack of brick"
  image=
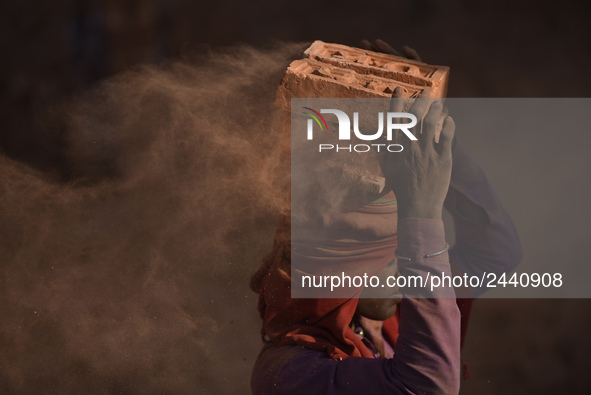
[{"x": 339, "y": 71}]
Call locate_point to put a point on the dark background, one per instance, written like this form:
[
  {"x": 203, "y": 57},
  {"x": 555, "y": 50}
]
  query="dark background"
[{"x": 54, "y": 51}]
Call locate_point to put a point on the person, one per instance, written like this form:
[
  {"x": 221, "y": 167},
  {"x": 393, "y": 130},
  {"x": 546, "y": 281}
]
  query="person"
[{"x": 406, "y": 345}]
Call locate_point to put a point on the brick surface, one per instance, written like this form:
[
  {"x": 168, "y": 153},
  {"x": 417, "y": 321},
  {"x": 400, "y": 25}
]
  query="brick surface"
[
  {"x": 313, "y": 79},
  {"x": 382, "y": 65},
  {"x": 338, "y": 71}
]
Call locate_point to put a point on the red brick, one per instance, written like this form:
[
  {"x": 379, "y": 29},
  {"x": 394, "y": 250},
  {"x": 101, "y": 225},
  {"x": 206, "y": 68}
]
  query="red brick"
[
  {"x": 382, "y": 65},
  {"x": 309, "y": 78}
]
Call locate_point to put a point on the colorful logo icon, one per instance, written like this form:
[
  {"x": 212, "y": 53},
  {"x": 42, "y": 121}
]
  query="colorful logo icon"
[{"x": 317, "y": 115}]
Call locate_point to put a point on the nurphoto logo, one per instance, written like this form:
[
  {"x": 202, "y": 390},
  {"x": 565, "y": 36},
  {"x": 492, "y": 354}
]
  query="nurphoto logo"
[{"x": 344, "y": 133}]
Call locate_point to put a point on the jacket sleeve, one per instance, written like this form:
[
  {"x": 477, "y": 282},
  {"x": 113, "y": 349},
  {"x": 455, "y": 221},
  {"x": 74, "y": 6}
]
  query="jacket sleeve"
[{"x": 486, "y": 241}]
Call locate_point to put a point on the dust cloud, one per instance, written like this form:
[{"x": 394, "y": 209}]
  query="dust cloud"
[{"x": 132, "y": 277}]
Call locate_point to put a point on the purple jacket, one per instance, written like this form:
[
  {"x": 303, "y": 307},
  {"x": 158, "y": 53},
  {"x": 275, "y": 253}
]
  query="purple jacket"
[{"x": 427, "y": 353}]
